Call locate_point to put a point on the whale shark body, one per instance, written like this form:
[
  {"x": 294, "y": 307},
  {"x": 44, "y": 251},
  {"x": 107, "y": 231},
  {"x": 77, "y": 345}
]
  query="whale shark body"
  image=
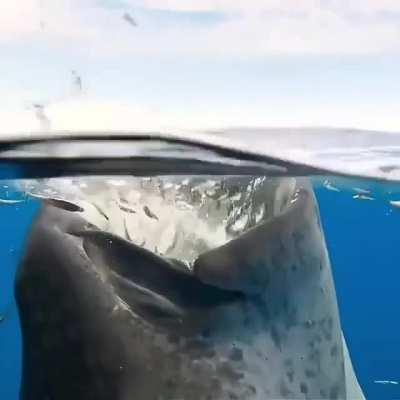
[{"x": 254, "y": 318}]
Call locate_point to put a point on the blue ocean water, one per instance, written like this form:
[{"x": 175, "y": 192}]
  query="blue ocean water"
[
  {"x": 362, "y": 238},
  {"x": 15, "y": 224}
]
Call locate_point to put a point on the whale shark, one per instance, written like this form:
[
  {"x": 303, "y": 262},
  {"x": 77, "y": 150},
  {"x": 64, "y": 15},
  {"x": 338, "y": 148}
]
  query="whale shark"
[{"x": 253, "y": 318}]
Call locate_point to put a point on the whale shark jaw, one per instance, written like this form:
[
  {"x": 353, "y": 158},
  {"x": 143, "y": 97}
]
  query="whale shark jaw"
[{"x": 253, "y": 318}]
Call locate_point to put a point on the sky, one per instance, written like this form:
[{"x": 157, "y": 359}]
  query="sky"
[{"x": 184, "y": 64}]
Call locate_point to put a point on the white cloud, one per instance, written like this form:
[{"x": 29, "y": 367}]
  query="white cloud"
[
  {"x": 225, "y": 5},
  {"x": 256, "y": 28},
  {"x": 16, "y": 19},
  {"x": 364, "y": 6}
]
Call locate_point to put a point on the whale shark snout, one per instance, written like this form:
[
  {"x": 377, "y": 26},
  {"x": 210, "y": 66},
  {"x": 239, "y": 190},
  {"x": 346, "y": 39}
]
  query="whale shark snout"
[{"x": 256, "y": 318}]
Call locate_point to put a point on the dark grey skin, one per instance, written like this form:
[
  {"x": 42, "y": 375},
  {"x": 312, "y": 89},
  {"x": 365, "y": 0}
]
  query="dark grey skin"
[{"x": 103, "y": 318}]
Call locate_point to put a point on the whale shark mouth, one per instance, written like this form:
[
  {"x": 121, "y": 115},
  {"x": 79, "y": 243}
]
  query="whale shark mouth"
[
  {"x": 195, "y": 287},
  {"x": 174, "y": 216}
]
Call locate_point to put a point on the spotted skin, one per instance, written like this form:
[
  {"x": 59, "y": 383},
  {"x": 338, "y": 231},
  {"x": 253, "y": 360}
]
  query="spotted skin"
[{"x": 103, "y": 318}]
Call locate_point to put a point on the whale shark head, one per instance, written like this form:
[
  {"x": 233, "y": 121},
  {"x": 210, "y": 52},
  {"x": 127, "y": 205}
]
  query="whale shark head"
[{"x": 254, "y": 318}]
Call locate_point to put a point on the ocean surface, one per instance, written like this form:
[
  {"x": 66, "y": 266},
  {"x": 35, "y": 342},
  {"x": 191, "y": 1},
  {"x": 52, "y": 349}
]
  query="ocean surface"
[{"x": 362, "y": 232}]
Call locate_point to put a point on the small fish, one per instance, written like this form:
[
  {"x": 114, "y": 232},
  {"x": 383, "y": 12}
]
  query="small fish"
[
  {"x": 127, "y": 209},
  {"x": 77, "y": 80},
  {"x": 387, "y": 382},
  {"x": 101, "y": 212},
  {"x": 127, "y": 235},
  {"x": 40, "y": 114},
  {"x": 362, "y": 197},
  {"x": 361, "y": 191},
  {"x": 329, "y": 186},
  {"x": 2, "y": 318},
  {"x": 10, "y": 202},
  {"x": 395, "y": 203},
  {"x": 150, "y": 214},
  {"x": 129, "y": 19}
]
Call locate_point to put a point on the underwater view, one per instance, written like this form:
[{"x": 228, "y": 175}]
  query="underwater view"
[
  {"x": 199, "y": 199},
  {"x": 168, "y": 283}
]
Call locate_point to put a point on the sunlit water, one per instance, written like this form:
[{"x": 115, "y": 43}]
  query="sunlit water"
[{"x": 360, "y": 218}]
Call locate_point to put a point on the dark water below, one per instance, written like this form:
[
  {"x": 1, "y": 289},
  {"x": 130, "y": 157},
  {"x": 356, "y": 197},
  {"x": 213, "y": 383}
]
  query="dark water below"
[{"x": 363, "y": 241}]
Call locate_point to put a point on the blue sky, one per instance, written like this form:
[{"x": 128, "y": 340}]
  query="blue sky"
[{"x": 199, "y": 64}]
